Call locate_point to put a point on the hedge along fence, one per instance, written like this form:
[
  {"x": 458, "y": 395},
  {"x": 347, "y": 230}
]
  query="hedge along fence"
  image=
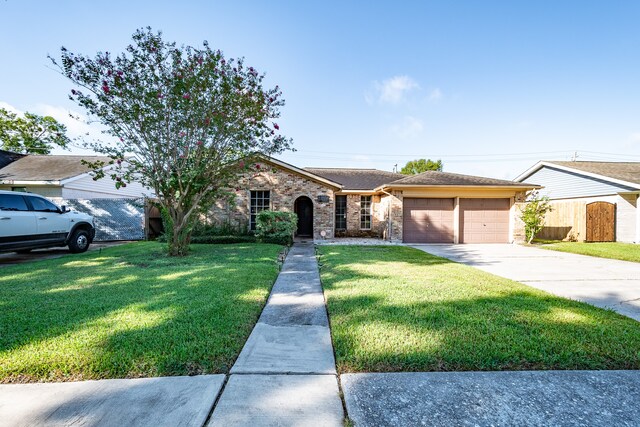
[{"x": 276, "y": 227}]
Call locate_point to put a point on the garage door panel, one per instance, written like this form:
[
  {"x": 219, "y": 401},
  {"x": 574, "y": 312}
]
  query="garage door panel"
[
  {"x": 484, "y": 220},
  {"x": 428, "y": 220}
]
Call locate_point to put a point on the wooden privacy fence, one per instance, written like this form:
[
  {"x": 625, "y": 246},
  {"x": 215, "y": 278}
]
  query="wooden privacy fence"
[
  {"x": 153, "y": 220},
  {"x": 569, "y": 221}
]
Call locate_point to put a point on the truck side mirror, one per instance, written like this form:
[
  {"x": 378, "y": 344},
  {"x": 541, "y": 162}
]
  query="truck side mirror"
[{"x": 64, "y": 209}]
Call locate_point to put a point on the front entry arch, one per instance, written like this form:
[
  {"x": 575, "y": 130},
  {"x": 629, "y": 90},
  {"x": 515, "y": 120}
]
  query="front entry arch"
[{"x": 303, "y": 207}]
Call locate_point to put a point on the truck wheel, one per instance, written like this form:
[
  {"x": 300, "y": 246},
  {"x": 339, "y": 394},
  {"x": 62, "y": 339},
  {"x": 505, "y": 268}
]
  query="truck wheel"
[{"x": 79, "y": 242}]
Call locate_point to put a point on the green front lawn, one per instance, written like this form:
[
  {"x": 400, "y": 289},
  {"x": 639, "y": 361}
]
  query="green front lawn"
[
  {"x": 614, "y": 250},
  {"x": 131, "y": 311},
  {"x": 399, "y": 309}
]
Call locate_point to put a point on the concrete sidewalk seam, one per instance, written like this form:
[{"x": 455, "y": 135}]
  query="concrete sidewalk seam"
[{"x": 285, "y": 374}]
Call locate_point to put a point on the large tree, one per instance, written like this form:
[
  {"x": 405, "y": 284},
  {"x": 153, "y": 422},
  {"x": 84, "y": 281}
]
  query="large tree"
[
  {"x": 417, "y": 166},
  {"x": 187, "y": 120},
  {"x": 31, "y": 133}
]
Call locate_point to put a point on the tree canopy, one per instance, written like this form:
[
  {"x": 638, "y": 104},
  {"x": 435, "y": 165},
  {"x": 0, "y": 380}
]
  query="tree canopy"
[
  {"x": 187, "y": 120},
  {"x": 417, "y": 166},
  {"x": 31, "y": 133}
]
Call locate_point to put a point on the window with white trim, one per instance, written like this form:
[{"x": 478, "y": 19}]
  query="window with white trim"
[
  {"x": 260, "y": 201},
  {"x": 365, "y": 212}
]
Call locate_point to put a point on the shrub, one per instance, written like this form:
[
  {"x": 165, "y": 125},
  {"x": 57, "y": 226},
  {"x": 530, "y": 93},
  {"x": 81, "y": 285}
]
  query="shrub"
[
  {"x": 533, "y": 215},
  {"x": 217, "y": 240},
  {"x": 276, "y": 227},
  {"x": 219, "y": 229}
]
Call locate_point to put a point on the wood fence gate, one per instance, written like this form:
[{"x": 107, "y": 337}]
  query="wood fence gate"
[{"x": 601, "y": 222}]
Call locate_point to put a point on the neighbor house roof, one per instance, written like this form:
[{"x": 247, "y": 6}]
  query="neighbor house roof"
[
  {"x": 356, "y": 179},
  {"x": 435, "y": 178},
  {"x": 47, "y": 168},
  {"x": 620, "y": 172}
]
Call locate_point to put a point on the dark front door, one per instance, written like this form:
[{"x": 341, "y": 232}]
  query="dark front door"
[
  {"x": 304, "y": 210},
  {"x": 341, "y": 213}
]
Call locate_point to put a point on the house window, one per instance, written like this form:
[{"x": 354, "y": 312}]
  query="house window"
[
  {"x": 259, "y": 203},
  {"x": 365, "y": 212},
  {"x": 341, "y": 212}
]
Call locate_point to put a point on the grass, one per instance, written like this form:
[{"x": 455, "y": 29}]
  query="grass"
[
  {"x": 400, "y": 309},
  {"x": 613, "y": 250},
  {"x": 131, "y": 311}
]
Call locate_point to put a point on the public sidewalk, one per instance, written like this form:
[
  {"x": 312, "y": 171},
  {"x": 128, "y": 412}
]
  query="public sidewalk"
[{"x": 286, "y": 373}]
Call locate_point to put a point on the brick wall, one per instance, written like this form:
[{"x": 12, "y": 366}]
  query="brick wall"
[
  {"x": 519, "y": 235},
  {"x": 396, "y": 214},
  {"x": 378, "y": 217},
  {"x": 285, "y": 187}
]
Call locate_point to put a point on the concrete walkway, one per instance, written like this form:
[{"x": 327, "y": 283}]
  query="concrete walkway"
[
  {"x": 605, "y": 283},
  {"x": 167, "y": 401},
  {"x": 286, "y": 374}
]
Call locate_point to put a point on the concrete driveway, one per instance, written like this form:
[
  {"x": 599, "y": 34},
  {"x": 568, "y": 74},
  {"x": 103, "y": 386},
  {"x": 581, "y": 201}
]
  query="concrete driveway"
[
  {"x": 13, "y": 258},
  {"x": 602, "y": 282}
]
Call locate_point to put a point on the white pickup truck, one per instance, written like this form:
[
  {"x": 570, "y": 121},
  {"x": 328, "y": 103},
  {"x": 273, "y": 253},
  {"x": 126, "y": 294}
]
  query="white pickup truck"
[{"x": 29, "y": 221}]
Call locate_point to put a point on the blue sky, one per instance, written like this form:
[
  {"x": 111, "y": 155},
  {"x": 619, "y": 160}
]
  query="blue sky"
[{"x": 489, "y": 87}]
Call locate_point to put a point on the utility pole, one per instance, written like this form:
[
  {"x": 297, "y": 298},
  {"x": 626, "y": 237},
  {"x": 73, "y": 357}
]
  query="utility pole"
[
  {"x": 575, "y": 156},
  {"x": 395, "y": 168}
]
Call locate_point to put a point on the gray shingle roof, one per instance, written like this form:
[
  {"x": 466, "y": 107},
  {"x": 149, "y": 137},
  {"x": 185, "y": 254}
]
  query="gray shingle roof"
[
  {"x": 624, "y": 171},
  {"x": 356, "y": 179},
  {"x": 446, "y": 178},
  {"x": 47, "y": 168}
]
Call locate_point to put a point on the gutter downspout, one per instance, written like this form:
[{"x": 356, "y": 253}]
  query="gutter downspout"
[{"x": 388, "y": 213}]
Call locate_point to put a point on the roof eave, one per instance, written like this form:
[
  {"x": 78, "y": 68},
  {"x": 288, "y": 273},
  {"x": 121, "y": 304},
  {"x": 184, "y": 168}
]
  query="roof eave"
[
  {"x": 496, "y": 187},
  {"x": 352, "y": 191},
  {"x": 529, "y": 171},
  {"x": 299, "y": 171},
  {"x": 28, "y": 182}
]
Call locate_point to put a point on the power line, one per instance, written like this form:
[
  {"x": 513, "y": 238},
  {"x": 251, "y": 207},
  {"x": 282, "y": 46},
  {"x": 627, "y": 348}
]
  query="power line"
[{"x": 437, "y": 155}]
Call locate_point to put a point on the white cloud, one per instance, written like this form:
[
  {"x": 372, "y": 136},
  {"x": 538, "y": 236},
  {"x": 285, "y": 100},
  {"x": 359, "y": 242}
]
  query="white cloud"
[
  {"x": 635, "y": 137},
  {"x": 77, "y": 125},
  {"x": 409, "y": 127},
  {"x": 393, "y": 90},
  {"x": 10, "y": 108},
  {"x": 435, "y": 95}
]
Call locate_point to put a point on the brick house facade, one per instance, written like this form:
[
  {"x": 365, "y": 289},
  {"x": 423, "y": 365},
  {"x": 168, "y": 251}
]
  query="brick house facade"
[{"x": 335, "y": 202}]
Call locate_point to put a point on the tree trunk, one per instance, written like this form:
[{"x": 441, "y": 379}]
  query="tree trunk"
[{"x": 177, "y": 230}]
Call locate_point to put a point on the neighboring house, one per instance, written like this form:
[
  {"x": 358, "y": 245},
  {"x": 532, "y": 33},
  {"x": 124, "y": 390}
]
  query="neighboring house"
[
  {"x": 432, "y": 207},
  {"x": 592, "y": 201},
  {"x": 61, "y": 176},
  {"x": 119, "y": 213}
]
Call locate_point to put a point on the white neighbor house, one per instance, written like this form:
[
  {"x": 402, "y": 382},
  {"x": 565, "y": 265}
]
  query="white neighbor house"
[
  {"x": 61, "y": 177},
  {"x": 572, "y": 185}
]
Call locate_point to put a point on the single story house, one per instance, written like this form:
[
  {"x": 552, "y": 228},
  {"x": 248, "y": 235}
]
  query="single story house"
[
  {"x": 431, "y": 207},
  {"x": 60, "y": 177},
  {"x": 119, "y": 213},
  {"x": 592, "y": 201}
]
